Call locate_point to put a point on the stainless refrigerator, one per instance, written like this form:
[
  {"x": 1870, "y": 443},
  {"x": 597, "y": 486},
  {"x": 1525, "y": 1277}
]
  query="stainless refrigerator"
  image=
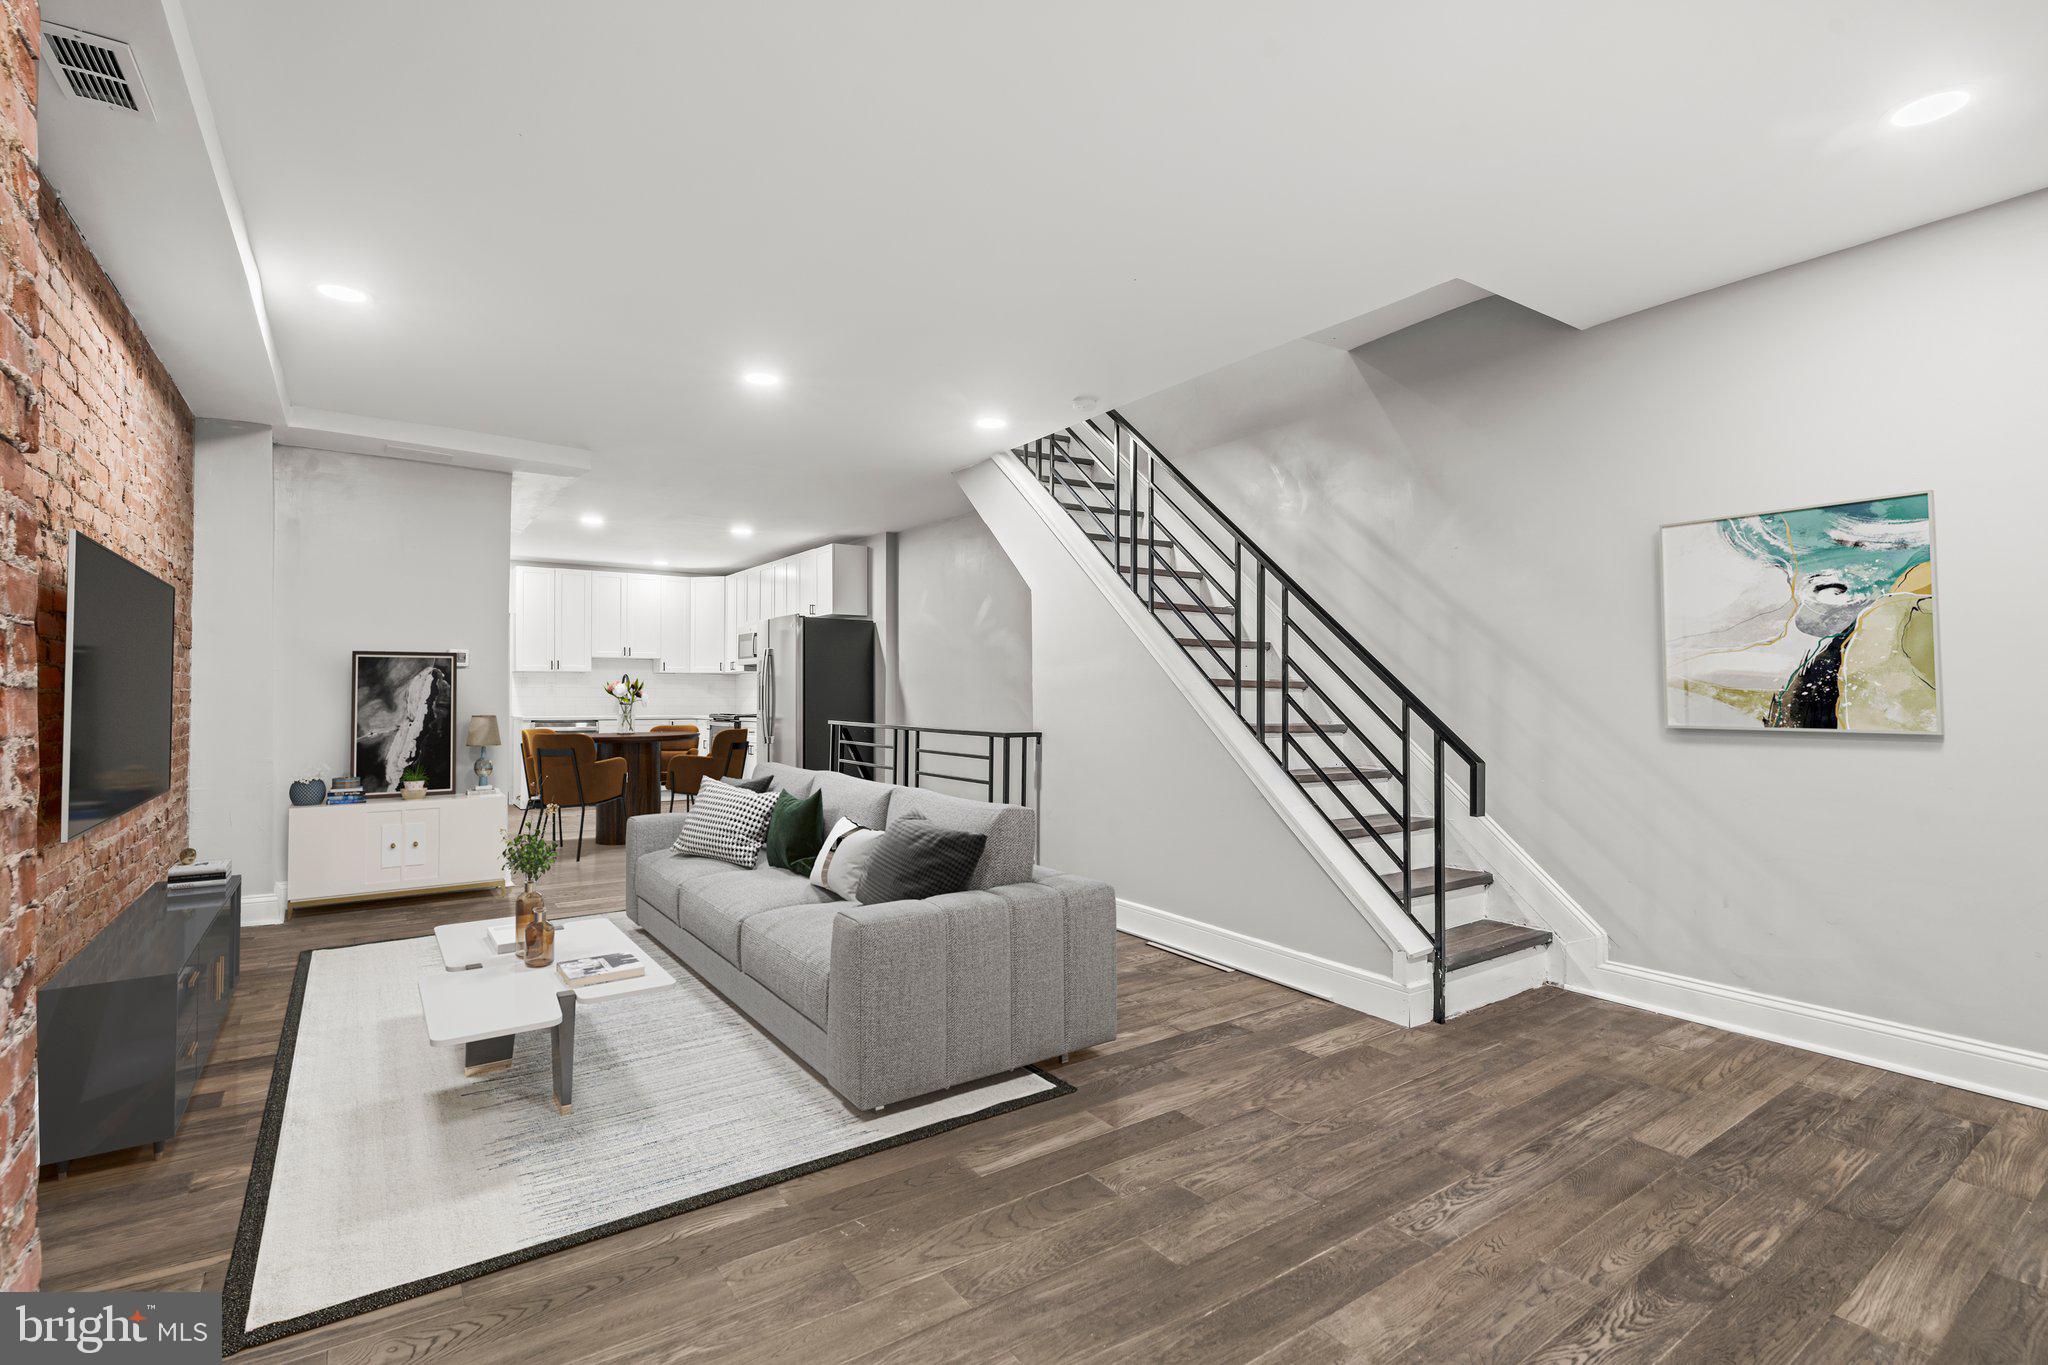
[{"x": 814, "y": 670}]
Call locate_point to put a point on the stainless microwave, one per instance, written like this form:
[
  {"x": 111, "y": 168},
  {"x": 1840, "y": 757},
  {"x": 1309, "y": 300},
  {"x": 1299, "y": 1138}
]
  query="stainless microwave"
[{"x": 750, "y": 645}]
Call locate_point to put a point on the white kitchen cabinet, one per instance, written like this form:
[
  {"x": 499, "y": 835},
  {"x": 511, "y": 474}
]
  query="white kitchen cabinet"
[
  {"x": 674, "y": 598},
  {"x": 550, "y": 619},
  {"x": 394, "y": 848},
  {"x": 643, "y": 616},
  {"x": 625, "y": 615},
  {"x": 736, "y": 611},
  {"x": 833, "y": 581},
  {"x": 707, "y": 625},
  {"x": 533, "y": 618},
  {"x": 752, "y": 614},
  {"x": 572, "y": 620},
  {"x": 607, "y": 615},
  {"x": 808, "y": 563}
]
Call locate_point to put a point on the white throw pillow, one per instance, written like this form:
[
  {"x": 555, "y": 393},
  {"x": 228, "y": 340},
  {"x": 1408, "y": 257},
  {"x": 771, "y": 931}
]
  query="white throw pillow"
[
  {"x": 843, "y": 861},
  {"x": 727, "y": 823}
]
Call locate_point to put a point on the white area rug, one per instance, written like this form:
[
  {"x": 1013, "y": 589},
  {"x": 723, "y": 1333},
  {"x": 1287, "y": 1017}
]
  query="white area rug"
[{"x": 383, "y": 1173}]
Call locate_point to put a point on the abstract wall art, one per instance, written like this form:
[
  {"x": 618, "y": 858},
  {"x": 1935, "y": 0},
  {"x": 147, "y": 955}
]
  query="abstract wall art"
[
  {"x": 1819, "y": 618},
  {"x": 404, "y": 713}
]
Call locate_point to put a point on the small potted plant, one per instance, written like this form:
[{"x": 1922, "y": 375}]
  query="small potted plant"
[
  {"x": 529, "y": 856},
  {"x": 413, "y": 785},
  {"x": 626, "y": 691}
]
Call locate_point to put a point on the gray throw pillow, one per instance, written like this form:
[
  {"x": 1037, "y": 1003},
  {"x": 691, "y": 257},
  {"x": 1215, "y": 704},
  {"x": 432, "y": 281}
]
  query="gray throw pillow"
[
  {"x": 915, "y": 860},
  {"x": 750, "y": 784}
]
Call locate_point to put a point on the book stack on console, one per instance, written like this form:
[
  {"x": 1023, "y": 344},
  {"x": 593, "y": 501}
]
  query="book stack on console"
[
  {"x": 215, "y": 870},
  {"x": 345, "y": 791}
]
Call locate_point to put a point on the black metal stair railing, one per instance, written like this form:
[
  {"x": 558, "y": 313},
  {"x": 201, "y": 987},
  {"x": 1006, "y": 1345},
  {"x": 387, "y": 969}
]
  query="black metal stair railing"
[{"x": 1321, "y": 704}]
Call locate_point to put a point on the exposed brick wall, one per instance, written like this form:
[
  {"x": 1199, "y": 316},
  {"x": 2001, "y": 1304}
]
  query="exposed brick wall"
[
  {"x": 115, "y": 461},
  {"x": 93, "y": 435},
  {"x": 21, "y": 265}
]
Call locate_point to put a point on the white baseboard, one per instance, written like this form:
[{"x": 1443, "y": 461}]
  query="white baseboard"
[
  {"x": 1352, "y": 987},
  {"x": 264, "y": 909},
  {"x": 2009, "y": 1073}
]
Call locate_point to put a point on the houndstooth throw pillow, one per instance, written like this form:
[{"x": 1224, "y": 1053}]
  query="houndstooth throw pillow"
[{"x": 727, "y": 823}]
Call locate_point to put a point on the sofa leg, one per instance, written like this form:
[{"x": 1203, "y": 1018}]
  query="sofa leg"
[{"x": 1063, "y": 1058}]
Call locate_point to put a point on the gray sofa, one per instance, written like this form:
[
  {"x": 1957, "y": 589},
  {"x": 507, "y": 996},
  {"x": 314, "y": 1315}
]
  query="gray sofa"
[{"x": 896, "y": 1000}]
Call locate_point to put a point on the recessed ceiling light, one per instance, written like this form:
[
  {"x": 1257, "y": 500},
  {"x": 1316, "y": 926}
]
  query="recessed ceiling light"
[
  {"x": 761, "y": 379},
  {"x": 591, "y": 519},
  {"x": 991, "y": 422},
  {"x": 1928, "y": 108},
  {"x": 741, "y": 529},
  {"x": 342, "y": 293}
]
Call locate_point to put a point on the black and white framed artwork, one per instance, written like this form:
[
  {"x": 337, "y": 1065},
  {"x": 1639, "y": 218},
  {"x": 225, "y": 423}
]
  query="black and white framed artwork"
[{"x": 404, "y": 713}]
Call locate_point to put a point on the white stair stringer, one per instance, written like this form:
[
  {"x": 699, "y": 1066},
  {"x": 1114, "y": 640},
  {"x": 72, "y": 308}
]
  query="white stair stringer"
[{"x": 1149, "y": 775}]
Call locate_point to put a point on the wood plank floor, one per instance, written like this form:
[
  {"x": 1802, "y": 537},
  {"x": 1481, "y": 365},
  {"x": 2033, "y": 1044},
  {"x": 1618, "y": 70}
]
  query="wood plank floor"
[{"x": 1245, "y": 1174}]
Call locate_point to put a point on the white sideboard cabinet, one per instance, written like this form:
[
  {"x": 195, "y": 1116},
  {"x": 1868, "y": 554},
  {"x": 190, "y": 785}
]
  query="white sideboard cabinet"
[{"x": 393, "y": 847}]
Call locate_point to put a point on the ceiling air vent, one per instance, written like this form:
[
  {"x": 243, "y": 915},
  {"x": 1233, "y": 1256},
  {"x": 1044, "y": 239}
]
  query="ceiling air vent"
[{"x": 102, "y": 70}]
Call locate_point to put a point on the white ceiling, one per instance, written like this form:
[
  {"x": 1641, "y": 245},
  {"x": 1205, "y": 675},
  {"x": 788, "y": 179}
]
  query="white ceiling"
[{"x": 580, "y": 223}]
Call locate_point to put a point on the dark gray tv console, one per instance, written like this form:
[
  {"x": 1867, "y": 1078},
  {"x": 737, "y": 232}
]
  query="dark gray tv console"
[{"x": 124, "y": 1029}]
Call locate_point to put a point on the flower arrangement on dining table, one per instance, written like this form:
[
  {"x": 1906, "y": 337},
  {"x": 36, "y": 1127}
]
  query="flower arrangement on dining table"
[{"x": 626, "y": 691}]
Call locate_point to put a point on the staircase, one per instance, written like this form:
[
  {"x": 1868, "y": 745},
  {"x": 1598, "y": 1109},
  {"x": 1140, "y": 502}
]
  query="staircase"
[{"x": 1328, "y": 713}]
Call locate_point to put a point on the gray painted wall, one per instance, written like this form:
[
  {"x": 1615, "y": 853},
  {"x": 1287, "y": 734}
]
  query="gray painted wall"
[
  {"x": 386, "y": 554},
  {"x": 961, "y": 628},
  {"x": 237, "y": 801},
  {"x": 305, "y": 556},
  {"x": 1479, "y": 497}
]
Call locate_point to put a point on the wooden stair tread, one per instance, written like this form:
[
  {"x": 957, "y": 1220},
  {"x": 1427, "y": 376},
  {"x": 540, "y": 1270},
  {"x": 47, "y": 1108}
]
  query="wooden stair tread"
[
  {"x": 1378, "y": 823},
  {"x": 1422, "y": 882},
  {"x": 1071, "y": 480},
  {"x": 1253, "y": 684},
  {"x": 1098, "y": 509},
  {"x": 1302, "y": 727},
  {"x": 1468, "y": 945},
  {"x": 1195, "y": 609},
  {"x": 1220, "y": 644},
  {"x": 1133, "y": 540},
  {"x": 1372, "y": 774}
]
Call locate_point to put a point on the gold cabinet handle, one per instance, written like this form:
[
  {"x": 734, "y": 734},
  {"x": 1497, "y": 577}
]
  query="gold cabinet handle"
[{"x": 415, "y": 843}]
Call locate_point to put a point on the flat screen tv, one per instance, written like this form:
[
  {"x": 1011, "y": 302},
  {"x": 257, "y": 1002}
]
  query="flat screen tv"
[{"x": 117, "y": 686}]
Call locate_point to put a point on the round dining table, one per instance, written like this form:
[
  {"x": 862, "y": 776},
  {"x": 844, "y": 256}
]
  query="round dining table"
[{"x": 642, "y": 751}]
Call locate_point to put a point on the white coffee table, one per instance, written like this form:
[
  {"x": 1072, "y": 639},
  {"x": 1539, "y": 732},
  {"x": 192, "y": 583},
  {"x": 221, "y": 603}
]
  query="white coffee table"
[{"x": 484, "y": 999}]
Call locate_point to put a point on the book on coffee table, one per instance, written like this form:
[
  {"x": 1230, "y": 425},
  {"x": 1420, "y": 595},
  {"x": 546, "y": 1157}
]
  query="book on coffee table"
[
  {"x": 595, "y": 971},
  {"x": 502, "y": 937}
]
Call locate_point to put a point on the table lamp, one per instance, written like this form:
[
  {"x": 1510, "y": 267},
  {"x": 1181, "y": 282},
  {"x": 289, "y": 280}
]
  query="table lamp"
[{"x": 483, "y": 737}]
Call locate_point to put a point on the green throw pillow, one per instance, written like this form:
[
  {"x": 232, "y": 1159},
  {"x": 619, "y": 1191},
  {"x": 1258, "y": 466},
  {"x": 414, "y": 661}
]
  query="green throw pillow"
[{"x": 796, "y": 831}]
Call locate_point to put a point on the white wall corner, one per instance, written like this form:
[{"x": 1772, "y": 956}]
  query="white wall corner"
[{"x": 265, "y": 909}]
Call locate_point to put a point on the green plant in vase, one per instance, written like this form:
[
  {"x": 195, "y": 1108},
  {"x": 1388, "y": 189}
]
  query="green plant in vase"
[
  {"x": 529, "y": 856},
  {"x": 412, "y": 785}
]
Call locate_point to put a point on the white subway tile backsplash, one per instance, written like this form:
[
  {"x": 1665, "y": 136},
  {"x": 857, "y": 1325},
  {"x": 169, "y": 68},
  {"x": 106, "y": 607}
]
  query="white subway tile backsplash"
[{"x": 564, "y": 696}]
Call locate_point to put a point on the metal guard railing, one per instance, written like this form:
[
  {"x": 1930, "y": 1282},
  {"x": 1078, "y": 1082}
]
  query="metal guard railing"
[{"x": 1160, "y": 532}]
